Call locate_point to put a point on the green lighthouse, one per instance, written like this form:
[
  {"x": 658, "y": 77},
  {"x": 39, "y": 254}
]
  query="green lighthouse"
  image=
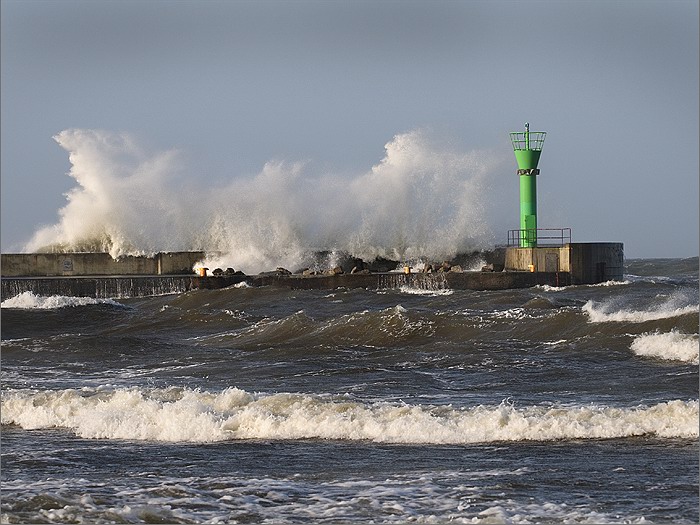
[{"x": 528, "y": 147}]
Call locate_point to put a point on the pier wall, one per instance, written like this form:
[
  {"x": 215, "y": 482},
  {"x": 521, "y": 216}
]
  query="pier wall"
[
  {"x": 98, "y": 275},
  {"x": 75, "y": 264},
  {"x": 97, "y": 287},
  {"x": 423, "y": 281},
  {"x": 143, "y": 286}
]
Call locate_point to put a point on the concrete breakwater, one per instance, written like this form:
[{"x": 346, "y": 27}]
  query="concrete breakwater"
[
  {"x": 100, "y": 276},
  {"x": 73, "y": 264},
  {"x": 121, "y": 287},
  {"x": 117, "y": 287},
  {"x": 89, "y": 263},
  {"x": 424, "y": 281}
]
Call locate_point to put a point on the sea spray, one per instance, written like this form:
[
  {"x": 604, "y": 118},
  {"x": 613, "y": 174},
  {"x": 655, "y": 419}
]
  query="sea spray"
[
  {"x": 128, "y": 201},
  {"x": 421, "y": 199}
]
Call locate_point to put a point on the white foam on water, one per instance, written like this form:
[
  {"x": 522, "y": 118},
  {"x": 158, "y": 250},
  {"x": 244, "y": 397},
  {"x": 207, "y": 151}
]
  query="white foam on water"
[
  {"x": 412, "y": 290},
  {"x": 605, "y": 312},
  {"x": 610, "y": 283},
  {"x": 548, "y": 288},
  {"x": 423, "y": 497},
  {"x": 130, "y": 201},
  {"x": 511, "y": 511},
  {"x": 519, "y": 312},
  {"x": 29, "y": 300},
  {"x": 184, "y": 415},
  {"x": 651, "y": 279},
  {"x": 671, "y": 346},
  {"x": 555, "y": 343}
]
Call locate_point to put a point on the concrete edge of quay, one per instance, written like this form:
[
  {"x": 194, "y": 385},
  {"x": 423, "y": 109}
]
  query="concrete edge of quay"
[{"x": 121, "y": 287}]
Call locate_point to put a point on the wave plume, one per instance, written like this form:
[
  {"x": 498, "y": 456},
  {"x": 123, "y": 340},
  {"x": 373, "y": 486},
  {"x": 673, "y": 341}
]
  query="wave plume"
[{"x": 131, "y": 201}]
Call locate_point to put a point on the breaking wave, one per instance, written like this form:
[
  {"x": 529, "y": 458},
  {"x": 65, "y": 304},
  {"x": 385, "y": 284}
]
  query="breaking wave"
[
  {"x": 130, "y": 201},
  {"x": 671, "y": 346},
  {"x": 412, "y": 290},
  {"x": 184, "y": 415},
  {"x": 30, "y": 301},
  {"x": 673, "y": 306}
]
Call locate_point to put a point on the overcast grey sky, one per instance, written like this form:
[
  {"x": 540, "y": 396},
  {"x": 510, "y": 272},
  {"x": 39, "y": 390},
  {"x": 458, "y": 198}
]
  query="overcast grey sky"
[{"x": 234, "y": 84}]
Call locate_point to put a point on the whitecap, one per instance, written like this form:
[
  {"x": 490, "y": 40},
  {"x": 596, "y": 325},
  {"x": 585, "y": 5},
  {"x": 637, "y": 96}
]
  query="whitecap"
[
  {"x": 671, "y": 346},
  {"x": 184, "y": 415},
  {"x": 608, "y": 312},
  {"x": 411, "y": 290},
  {"x": 28, "y": 300}
]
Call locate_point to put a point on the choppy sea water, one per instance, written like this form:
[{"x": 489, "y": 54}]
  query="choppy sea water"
[{"x": 243, "y": 405}]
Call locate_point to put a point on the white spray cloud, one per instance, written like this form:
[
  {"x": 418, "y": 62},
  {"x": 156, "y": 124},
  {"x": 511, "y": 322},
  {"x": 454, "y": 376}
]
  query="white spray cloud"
[
  {"x": 127, "y": 201},
  {"x": 421, "y": 199}
]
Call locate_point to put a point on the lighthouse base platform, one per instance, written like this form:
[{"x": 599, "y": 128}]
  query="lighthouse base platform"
[{"x": 584, "y": 262}]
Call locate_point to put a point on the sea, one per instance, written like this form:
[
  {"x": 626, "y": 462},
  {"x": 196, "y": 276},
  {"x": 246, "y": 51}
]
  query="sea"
[{"x": 266, "y": 405}]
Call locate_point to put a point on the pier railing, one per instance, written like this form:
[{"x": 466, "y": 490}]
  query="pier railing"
[{"x": 544, "y": 236}]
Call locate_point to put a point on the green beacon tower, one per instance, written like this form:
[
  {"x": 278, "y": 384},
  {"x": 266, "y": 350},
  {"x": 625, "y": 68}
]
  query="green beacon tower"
[{"x": 528, "y": 147}]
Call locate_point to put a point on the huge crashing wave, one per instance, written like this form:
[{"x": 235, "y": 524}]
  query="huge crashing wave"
[{"x": 421, "y": 199}]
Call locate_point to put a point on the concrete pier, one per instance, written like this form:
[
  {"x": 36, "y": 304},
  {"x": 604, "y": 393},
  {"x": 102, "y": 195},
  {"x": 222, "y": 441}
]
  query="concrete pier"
[
  {"x": 573, "y": 263},
  {"x": 114, "y": 287},
  {"x": 121, "y": 287},
  {"x": 424, "y": 281},
  {"x": 88, "y": 263}
]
